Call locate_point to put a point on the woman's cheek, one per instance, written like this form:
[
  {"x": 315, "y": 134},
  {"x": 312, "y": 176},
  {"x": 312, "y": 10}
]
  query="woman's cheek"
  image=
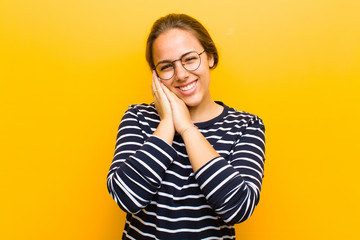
[{"x": 168, "y": 85}]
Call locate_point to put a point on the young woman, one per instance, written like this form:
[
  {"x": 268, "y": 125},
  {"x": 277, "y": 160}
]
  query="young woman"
[{"x": 185, "y": 167}]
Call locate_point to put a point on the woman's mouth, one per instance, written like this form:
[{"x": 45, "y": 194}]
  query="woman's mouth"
[{"x": 188, "y": 86}]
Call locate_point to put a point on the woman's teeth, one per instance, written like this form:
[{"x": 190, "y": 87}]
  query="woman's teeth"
[{"x": 188, "y": 87}]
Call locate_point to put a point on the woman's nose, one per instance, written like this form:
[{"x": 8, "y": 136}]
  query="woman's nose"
[{"x": 180, "y": 72}]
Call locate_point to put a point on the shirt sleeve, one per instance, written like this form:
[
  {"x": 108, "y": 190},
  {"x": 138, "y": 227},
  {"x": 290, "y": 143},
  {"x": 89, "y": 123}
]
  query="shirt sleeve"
[
  {"x": 138, "y": 165},
  {"x": 232, "y": 187}
]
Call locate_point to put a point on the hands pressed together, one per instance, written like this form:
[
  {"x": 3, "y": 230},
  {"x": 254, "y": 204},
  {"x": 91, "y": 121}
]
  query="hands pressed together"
[{"x": 171, "y": 109}]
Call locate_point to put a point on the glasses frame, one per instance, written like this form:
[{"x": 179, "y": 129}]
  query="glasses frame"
[{"x": 179, "y": 59}]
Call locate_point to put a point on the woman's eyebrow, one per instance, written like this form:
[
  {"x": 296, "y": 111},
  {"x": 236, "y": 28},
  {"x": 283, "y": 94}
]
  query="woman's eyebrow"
[
  {"x": 164, "y": 61},
  {"x": 168, "y": 60}
]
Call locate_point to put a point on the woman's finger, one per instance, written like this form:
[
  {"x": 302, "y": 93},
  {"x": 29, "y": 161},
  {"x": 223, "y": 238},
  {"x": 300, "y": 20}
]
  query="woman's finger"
[
  {"x": 169, "y": 94},
  {"x": 153, "y": 84},
  {"x": 161, "y": 101},
  {"x": 157, "y": 86}
]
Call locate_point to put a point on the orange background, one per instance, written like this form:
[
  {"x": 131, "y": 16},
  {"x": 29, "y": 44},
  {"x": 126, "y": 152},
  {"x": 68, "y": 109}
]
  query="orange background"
[{"x": 70, "y": 68}]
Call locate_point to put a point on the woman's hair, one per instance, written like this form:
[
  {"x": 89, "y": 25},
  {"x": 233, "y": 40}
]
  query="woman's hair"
[{"x": 184, "y": 22}]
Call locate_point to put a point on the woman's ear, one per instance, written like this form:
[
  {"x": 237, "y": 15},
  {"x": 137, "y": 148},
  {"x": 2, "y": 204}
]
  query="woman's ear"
[{"x": 211, "y": 61}]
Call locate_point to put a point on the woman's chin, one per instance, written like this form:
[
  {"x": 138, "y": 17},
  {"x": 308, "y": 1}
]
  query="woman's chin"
[{"x": 191, "y": 102}]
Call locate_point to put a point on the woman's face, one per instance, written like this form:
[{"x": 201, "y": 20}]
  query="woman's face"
[{"x": 190, "y": 86}]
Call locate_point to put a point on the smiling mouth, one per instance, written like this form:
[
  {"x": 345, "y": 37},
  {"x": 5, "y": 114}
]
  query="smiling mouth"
[{"x": 188, "y": 86}]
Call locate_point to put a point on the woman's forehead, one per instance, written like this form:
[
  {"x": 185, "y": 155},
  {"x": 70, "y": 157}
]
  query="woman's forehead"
[{"x": 173, "y": 43}]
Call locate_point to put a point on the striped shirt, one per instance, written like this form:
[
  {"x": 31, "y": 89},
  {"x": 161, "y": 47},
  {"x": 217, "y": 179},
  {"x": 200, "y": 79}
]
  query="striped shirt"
[{"x": 155, "y": 185}]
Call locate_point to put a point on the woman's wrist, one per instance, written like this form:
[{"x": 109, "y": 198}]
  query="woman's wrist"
[
  {"x": 165, "y": 130},
  {"x": 187, "y": 128},
  {"x": 167, "y": 123}
]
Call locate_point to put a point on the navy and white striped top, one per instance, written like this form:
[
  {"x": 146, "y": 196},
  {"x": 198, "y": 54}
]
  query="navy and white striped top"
[{"x": 164, "y": 199}]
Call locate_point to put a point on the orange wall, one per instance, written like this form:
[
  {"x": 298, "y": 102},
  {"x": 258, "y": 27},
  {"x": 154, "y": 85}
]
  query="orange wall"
[{"x": 70, "y": 68}]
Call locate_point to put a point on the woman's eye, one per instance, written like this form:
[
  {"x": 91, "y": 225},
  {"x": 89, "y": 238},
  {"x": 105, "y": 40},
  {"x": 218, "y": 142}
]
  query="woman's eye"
[
  {"x": 189, "y": 59},
  {"x": 166, "y": 67}
]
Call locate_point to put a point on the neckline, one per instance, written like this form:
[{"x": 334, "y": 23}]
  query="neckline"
[{"x": 215, "y": 119}]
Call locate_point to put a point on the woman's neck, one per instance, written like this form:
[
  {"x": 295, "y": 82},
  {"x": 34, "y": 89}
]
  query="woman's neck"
[{"x": 205, "y": 111}]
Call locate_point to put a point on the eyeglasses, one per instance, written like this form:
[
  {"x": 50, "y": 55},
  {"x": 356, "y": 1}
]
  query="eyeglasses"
[{"x": 190, "y": 61}]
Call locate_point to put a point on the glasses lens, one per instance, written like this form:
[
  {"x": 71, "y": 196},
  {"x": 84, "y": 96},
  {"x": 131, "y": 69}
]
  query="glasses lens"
[
  {"x": 165, "y": 70},
  {"x": 191, "y": 61}
]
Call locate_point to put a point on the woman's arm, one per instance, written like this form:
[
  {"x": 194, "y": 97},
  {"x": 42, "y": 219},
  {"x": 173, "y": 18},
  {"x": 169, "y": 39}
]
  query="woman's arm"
[
  {"x": 198, "y": 148},
  {"x": 232, "y": 187},
  {"x": 233, "y": 190},
  {"x": 138, "y": 165}
]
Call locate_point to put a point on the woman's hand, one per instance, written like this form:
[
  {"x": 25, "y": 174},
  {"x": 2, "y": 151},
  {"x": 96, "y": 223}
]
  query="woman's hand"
[
  {"x": 165, "y": 129},
  {"x": 162, "y": 104},
  {"x": 180, "y": 112}
]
